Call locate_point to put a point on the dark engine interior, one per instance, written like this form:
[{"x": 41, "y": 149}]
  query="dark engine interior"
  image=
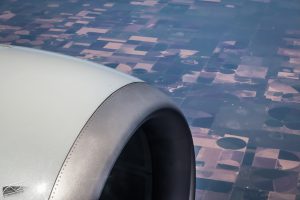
[
  {"x": 131, "y": 176},
  {"x": 156, "y": 163}
]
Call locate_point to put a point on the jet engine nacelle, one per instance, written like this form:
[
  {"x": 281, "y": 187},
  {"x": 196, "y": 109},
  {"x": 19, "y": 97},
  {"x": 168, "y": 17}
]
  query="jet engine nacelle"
[{"x": 73, "y": 130}]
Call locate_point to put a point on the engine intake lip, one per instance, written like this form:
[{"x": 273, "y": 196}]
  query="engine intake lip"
[{"x": 90, "y": 160}]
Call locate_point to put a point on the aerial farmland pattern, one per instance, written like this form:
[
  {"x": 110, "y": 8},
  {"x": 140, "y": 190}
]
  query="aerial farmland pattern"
[{"x": 232, "y": 66}]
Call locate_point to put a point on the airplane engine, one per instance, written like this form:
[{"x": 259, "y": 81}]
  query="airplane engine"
[{"x": 73, "y": 130}]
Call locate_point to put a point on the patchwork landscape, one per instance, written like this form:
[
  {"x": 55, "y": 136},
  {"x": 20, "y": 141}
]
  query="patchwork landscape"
[{"x": 232, "y": 66}]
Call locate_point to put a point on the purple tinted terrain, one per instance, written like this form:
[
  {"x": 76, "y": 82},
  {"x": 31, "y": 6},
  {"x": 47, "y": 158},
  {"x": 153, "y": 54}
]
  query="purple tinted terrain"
[{"x": 232, "y": 66}]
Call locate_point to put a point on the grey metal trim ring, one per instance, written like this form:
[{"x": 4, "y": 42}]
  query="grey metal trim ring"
[{"x": 93, "y": 154}]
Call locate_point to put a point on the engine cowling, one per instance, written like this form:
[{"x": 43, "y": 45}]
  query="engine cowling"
[{"x": 72, "y": 129}]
